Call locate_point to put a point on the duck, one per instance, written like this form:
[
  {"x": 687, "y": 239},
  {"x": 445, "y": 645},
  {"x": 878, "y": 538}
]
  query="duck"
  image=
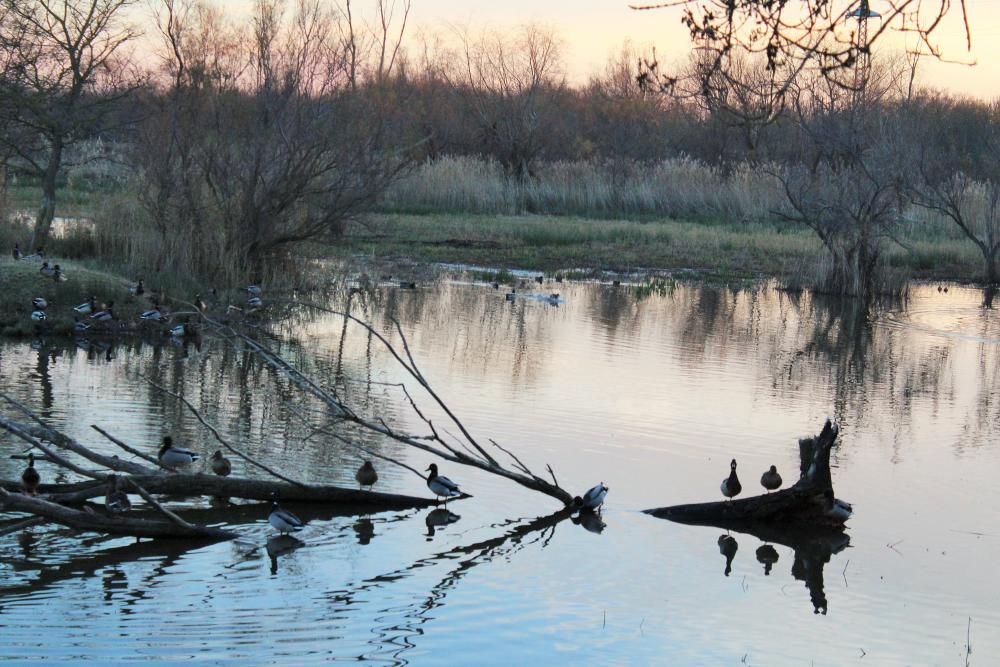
[
  {"x": 47, "y": 270},
  {"x": 254, "y": 302},
  {"x": 220, "y": 464},
  {"x": 771, "y": 480},
  {"x": 407, "y": 284},
  {"x": 16, "y": 252},
  {"x": 116, "y": 501},
  {"x": 553, "y": 297},
  {"x": 105, "y": 315},
  {"x": 81, "y": 327},
  {"x": 39, "y": 303},
  {"x": 731, "y": 485},
  {"x": 283, "y": 520},
  {"x": 87, "y": 307},
  {"x": 254, "y": 290},
  {"x": 30, "y": 477},
  {"x": 539, "y": 279},
  {"x": 199, "y": 304},
  {"x": 38, "y": 315},
  {"x": 511, "y": 295},
  {"x": 593, "y": 498},
  {"x": 174, "y": 457},
  {"x": 366, "y": 475},
  {"x": 154, "y": 315},
  {"x": 57, "y": 274},
  {"x": 178, "y": 330},
  {"x": 137, "y": 289},
  {"x": 838, "y": 510},
  {"x": 441, "y": 485}
]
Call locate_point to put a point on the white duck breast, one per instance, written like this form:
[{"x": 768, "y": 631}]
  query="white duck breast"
[{"x": 283, "y": 520}]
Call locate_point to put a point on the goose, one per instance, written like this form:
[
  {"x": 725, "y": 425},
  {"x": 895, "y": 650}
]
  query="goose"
[
  {"x": 16, "y": 252},
  {"x": 87, "y": 307},
  {"x": 116, "y": 500},
  {"x": 30, "y": 477},
  {"x": 731, "y": 485},
  {"x": 837, "y": 510},
  {"x": 440, "y": 485},
  {"x": 154, "y": 315},
  {"x": 47, "y": 270},
  {"x": 283, "y": 520},
  {"x": 39, "y": 303},
  {"x": 38, "y": 315},
  {"x": 770, "y": 480},
  {"x": 593, "y": 498},
  {"x": 366, "y": 475},
  {"x": 511, "y": 295},
  {"x": 220, "y": 464},
  {"x": 105, "y": 315},
  {"x": 174, "y": 457},
  {"x": 137, "y": 289}
]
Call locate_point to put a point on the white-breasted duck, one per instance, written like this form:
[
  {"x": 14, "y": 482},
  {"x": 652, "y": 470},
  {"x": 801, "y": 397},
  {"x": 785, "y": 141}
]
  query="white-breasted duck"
[
  {"x": 593, "y": 498},
  {"x": 39, "y": 303},
  {"x": 105, "y": 315},
  {"x": 87, "y": 307},
  {"x": 731, "y": 485},
  {"x": 116, "y": 501},
  {"x": 366, "y": 475},
  {"x": 137, "y": 289},
  {"x": 30, "y": 477},
  {"x": 441, "y": 485},
  {"x": 174, "y": 457},
  {"x": 283, "y": 520},
  {"x": 771, "y": 480},
  {"x": 220, "y": 464}
]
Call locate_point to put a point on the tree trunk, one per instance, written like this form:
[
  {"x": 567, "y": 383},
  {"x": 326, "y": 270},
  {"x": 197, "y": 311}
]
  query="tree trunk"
[
  {"x": 47, "y": 211},
  {"x": 804, "y": 505}
]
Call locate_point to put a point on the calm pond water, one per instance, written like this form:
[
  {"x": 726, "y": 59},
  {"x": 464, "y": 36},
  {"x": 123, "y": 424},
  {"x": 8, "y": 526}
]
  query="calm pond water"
[{"x": 651, "y": 395}]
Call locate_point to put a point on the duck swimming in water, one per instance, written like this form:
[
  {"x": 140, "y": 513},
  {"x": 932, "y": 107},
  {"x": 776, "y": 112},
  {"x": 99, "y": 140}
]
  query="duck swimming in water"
[{"x": 283, "y": 520}]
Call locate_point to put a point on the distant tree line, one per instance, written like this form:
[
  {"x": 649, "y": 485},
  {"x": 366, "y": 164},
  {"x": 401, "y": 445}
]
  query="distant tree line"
[{"x": 248, "y": 137}]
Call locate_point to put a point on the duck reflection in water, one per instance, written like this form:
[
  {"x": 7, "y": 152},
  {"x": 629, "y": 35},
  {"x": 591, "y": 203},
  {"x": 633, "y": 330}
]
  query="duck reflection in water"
[
  {"x": 280, "y": 545},
  {"x": 767, "y": 556},
  {"x": 728, "y": 547},
  {"x": 439, "y": 518},
  {"x": 364, "y": 530},
  {"x": 590, "y": 520}
]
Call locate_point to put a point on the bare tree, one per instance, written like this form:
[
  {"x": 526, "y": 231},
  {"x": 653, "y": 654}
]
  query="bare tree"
[{"x": 65, "y": 71}]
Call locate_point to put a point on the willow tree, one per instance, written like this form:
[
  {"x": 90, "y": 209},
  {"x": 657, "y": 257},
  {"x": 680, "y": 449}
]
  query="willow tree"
[{"x": 65, "y": 73}]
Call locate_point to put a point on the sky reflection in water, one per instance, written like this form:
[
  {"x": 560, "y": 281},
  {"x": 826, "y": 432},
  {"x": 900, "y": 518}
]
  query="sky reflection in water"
[{"x": 652, "y": 396}]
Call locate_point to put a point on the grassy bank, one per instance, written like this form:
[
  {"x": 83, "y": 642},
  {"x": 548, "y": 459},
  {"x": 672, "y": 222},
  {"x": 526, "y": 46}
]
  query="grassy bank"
[{"x": 558, "y": 243}]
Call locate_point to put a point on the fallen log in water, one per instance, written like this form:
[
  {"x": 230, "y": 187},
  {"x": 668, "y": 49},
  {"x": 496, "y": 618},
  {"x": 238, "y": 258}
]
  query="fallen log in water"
[{"x": 808, "y": 503}]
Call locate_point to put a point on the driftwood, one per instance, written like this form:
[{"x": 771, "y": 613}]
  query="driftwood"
[{"x": 806, "y": 504}]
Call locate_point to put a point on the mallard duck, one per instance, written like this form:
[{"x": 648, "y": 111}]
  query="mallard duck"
[
  {"x": 16, "y": 252},
  {"x": 87, "y": 307},
  {"x": 837, "y": 510},
  {"x": 731, "y": 485},
  {"x": 283, "y": 520},
  {"x": 511, "y": 295},
  {"x": 366, "y": 475},
  {"x": 220, "y": 464},
  {"x": 199, "y": 304},
  {"x": 105, "y": 315},
  {"x": 38, "y": 315},
  {"x": 174, "y": 457},
  {"x": 254, "y": 302},
  {"x": 137, "y": 289},
  {"x": 47, "y": 270},
  {"x": 593, "y": 498},
  {"x": 440, "y": 485},
  {"x": 116, "y": 500},
  {"x": 771, "y": 480},
  {"x": 57, "y": 274},
  {"x": 39, "y": 303},
  {"x": 553, "y": 297},
  {"x": 81, "y": 327},
  {"x": 30, "y": 477},
  {"x": 254, "y": 290},
  {"x": 539, "y": 279},
  {"x": 154, "y": 315}
]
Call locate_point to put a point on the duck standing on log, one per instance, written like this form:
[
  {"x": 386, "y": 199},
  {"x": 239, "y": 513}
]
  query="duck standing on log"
[
  {"x": 771, "y": 480},
  {"x": 731, "y": 486},
  {"x": 30, "y": 477},
  {"x": 175, "y": 457},
  {"x": 593, "y": 499},
  {"x": 441, "y": 485},
  {"x": 366, "y": 475},
  {"x": 220, "y": 464}
]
